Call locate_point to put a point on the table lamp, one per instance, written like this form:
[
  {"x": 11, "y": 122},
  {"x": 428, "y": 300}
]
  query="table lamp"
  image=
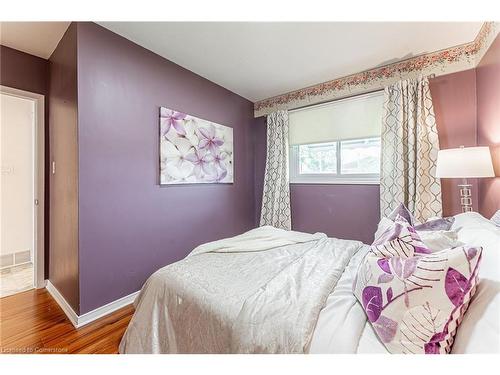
[{"x": 465, "y": 162}]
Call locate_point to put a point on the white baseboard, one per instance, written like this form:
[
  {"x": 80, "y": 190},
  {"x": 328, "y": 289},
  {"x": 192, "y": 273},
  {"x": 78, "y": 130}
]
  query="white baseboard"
[
  {"x": 106, "y": 309},
  {"x": 65, "y": 306},
  {"x": 81, "y": 320},
  {"x": 41, "y": 284}
]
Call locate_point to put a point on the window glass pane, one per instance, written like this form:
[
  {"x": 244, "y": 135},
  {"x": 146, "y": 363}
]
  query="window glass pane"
[
  {"x": 318, "y": 158},
  {"x": 360, "y": 156}
]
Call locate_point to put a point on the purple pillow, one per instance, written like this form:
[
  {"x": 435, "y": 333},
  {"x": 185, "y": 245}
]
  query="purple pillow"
[
  {"x": 402, "y": 211},
  {"x": 444, "y": 223}
]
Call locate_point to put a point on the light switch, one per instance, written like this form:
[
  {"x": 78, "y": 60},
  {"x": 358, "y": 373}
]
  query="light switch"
[{"x": 53, "y": 167}]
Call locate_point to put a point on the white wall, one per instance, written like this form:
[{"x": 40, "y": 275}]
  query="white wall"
[{"x": 16, "y": 160}]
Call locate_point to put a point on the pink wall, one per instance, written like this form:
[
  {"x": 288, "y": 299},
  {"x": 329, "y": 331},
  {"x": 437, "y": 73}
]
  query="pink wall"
[
  {"x": 454, "y": 99},
  {"x": 467, "y": 107},
  {"x": 488, "y": 124}
]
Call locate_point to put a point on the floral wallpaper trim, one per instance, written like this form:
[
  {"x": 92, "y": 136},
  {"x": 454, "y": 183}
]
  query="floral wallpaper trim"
[{"x": 450, "y": 60}]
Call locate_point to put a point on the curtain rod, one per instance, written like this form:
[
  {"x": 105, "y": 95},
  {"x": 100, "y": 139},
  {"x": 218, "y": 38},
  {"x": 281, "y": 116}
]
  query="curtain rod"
[
  {"x": 334, "y": 100},
  {"x": 433, "y": 75}
]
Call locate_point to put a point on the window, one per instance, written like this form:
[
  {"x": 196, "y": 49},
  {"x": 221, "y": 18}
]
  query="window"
[
  {"x": 338, "y": 142},
  {"x": 318, "y": 158},
  {"x": 360, "y": 156}
]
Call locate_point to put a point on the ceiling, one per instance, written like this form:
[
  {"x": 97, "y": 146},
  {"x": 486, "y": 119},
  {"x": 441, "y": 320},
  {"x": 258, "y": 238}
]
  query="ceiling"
[
  {"x": 258, "y": 60},
  {"x": 36, "y": 38}
]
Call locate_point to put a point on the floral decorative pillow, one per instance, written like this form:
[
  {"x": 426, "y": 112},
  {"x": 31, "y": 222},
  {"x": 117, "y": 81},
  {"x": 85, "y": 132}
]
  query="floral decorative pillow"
[
  {"x": 402, "y": 236},
  {"x": 402, "y": 211},
  {"x": 435, "y": 240},
  {"x": 437, "y": 223},
  {"x": 442, "y": 223},
  {"x": 413, "y": 298}
]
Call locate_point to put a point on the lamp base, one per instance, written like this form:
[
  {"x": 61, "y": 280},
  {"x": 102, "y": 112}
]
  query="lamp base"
[{"x": 466, "y": 197}]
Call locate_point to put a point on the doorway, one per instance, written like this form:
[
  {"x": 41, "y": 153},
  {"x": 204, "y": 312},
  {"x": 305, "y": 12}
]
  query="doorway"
[{"x": 21, "y": 191}]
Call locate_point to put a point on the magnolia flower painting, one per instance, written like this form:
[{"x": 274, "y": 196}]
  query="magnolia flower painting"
[{"x": 193, "y": 150}]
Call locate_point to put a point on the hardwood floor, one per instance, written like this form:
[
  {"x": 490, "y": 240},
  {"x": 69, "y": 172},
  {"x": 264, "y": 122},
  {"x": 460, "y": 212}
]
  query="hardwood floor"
[{"x": 33, "y": 322}]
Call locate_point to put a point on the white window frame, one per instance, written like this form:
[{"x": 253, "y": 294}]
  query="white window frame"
[{"x": 329, "y": 178}]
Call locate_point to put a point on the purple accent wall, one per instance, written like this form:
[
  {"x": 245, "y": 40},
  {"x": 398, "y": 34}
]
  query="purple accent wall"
[
  {"x": 129, "y": 226},
  {"x": 26, "y": 72},
  {"x": 64, "y": 183},
  {"x": 454, "y": 100},
  {"x": 488, "y": 124},
  {"x": 343, "y": 211}
]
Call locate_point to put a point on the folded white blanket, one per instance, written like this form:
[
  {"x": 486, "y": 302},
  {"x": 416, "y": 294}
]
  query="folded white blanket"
[
  {"x": 260, "y": 292},
  {"x": 258, "y": 239}
]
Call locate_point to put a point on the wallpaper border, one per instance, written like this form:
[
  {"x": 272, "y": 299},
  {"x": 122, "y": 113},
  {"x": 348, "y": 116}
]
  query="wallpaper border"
[{"x": 449, "y": 60}]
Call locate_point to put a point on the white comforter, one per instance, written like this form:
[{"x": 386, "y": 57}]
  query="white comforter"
[{"x": 260, "y": 292}]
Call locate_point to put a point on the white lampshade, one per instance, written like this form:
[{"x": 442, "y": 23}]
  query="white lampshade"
[{"x": 465, "y": 162}]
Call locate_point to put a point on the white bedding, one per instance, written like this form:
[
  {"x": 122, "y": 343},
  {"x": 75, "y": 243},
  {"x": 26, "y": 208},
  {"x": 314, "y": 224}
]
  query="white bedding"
[
  {"x": 479, "y": 331},
  {"x": 260, "y": 292},
  {"x": 342, "y": 325},
  {"x": 216, "y": 301},
  {"x": 341, "y": 322}
]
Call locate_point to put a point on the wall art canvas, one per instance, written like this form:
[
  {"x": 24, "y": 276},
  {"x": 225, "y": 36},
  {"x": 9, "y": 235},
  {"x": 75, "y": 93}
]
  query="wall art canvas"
[{"x": 193, "y": 150}]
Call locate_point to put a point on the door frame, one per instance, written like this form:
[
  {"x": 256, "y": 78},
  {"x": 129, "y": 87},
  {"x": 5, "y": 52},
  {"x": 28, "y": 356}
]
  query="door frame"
[{"x": 39, "y": 180}]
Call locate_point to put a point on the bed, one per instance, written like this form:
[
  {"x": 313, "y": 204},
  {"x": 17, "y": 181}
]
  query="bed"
[{"x": 275, "y": 291}]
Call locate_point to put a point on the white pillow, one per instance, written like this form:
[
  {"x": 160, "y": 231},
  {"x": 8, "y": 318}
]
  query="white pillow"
[
  {"x": 480, "y": 328},
  {"x": 473, "y": 220},
  {"x": 440, "y": 239}
]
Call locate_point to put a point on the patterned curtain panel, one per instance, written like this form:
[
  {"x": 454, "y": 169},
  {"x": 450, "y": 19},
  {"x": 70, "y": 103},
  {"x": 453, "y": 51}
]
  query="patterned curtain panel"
[
  {"x": 276, "y": 196},
  {"x": 409, "y": 151}
]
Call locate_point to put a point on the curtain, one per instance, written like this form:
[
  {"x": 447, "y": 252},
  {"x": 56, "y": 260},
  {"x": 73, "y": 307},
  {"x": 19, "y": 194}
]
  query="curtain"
[
  {"x": 276, "y": 195},
  {"x": 409, "y": 151}
]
